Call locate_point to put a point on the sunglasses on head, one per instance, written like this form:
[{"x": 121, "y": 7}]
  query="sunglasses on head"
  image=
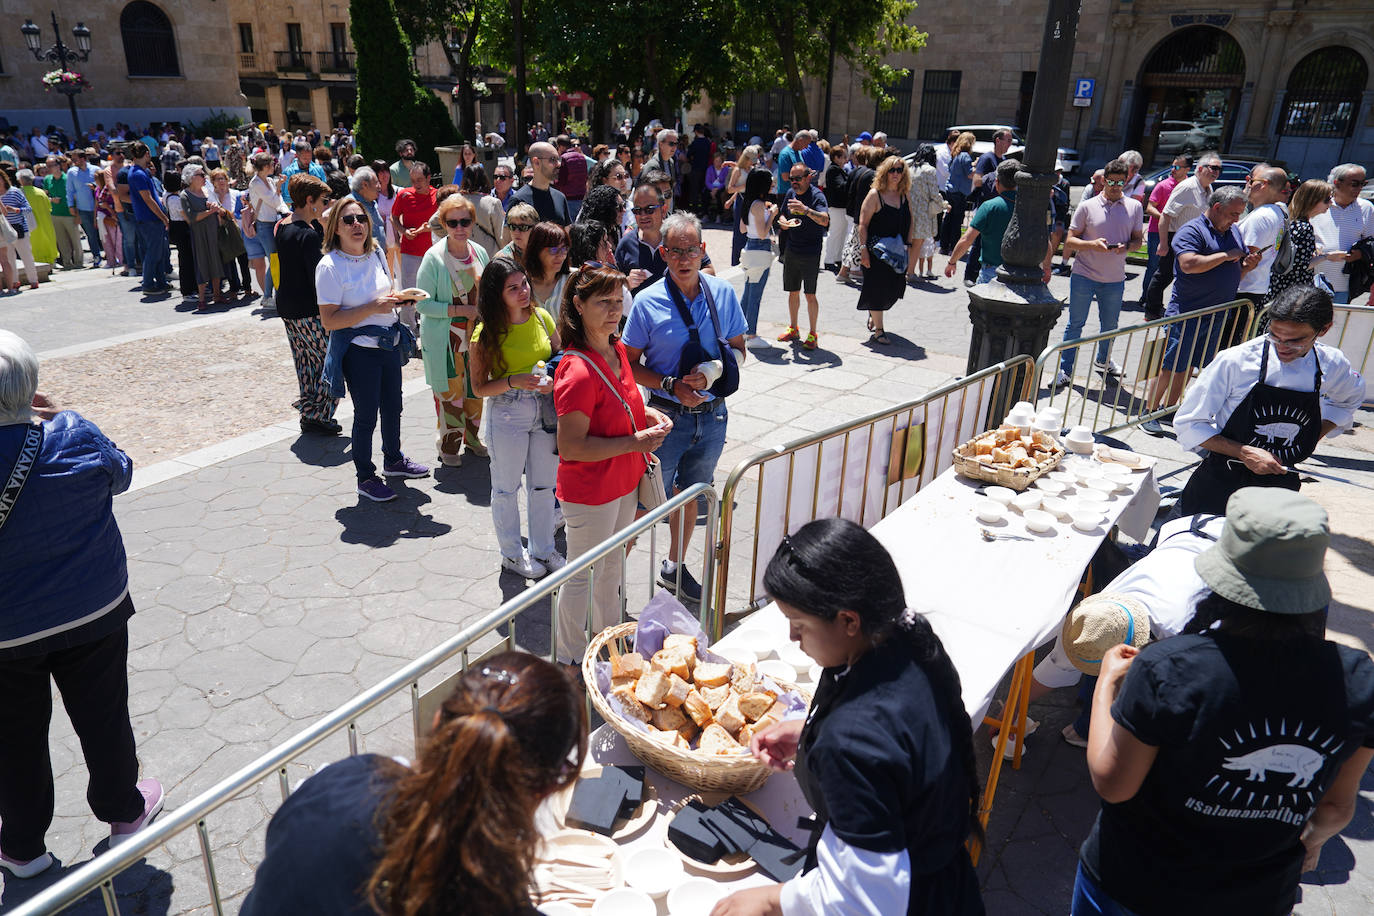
[
  {"x": 455, "y": 223},
  {"x": 353, "y": 219}
]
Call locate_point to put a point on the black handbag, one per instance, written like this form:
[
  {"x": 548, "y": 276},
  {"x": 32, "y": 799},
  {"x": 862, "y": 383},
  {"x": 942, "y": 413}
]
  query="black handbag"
[{"x": 694, "y": 352}]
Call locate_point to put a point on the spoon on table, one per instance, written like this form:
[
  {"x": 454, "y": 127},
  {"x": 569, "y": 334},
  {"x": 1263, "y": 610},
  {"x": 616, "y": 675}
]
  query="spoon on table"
[{"x": 990, "y": 536}]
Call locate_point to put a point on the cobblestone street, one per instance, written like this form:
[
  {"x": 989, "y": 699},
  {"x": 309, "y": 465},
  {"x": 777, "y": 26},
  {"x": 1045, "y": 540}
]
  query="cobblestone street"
[{"x": 268, "y": 593}]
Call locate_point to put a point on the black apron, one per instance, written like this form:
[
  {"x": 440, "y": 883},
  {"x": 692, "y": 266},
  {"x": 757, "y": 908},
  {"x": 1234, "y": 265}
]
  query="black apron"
[{"x": 1285, "y": 423}]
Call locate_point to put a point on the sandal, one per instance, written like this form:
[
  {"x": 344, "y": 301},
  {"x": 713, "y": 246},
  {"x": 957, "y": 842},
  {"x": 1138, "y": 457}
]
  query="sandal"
[
  {"x": 869, "y": 322},
  {"x": 810, "y": 342},
  {"x": 881, "y": 338}
]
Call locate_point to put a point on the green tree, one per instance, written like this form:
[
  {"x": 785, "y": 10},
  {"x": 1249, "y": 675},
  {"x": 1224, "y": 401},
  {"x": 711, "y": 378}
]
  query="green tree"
[
  {"x": 392, "y": 103},
  {"x": 861, "y": 32},
  {"x": 465, "y": 30}
]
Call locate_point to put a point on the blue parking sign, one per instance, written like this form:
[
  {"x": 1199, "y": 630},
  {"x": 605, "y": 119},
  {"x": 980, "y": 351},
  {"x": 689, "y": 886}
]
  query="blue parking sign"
[{"x": 1083, "y": 89}]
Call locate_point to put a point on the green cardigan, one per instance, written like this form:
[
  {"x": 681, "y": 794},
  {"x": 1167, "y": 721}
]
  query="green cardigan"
[{"x": 433, "y": 278}]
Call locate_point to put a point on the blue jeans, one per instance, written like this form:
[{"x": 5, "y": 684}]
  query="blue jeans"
[
  {"x": 87, "y": 218},
  {"x": 373, "y": 376},
  {"x": 1086, "y": 685},
  {"x": 1152, "y": 245},
  {"x": 152, "y": 238},
  {"x": 128, "y": 228},
  {"x": 1091, "y": 900},
  {"x": 521, "y": 450},
  {"x": 268, "y": 242},
  {"x": 753, "y": 291},
  {"x": 987, "y": 274},
  {"x": 1081, "y": 293},
  {"x": 692, "y": 448},
  {"x": 1341, "y": 298}
]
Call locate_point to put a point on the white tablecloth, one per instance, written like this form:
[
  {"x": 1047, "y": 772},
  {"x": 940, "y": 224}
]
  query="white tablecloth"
[{"x": 990, "y": 603}]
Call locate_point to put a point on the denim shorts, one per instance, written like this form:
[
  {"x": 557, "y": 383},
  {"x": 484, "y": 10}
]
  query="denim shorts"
[
  {"x": 1193, "y": 342},
  {"x": 253, "y": 248},
  {"x": 691, "y": 450}
]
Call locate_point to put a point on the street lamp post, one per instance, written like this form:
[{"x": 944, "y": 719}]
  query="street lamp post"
[
  {"x": 61, "y": 55},
  {"x": 1014, "y": 313}
]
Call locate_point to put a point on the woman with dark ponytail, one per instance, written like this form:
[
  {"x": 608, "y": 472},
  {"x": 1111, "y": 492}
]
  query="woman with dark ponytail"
[
  {"x": 453, "y": 834},
  {"x": 885, "y": 757}
]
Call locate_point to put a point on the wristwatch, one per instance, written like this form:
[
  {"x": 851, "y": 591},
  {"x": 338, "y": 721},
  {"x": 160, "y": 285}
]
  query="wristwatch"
[{"x": 667, "y": 384}]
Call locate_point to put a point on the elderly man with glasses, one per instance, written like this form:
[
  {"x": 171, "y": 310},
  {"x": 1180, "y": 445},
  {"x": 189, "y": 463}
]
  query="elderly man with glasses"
[
  {"x": 806, "y": 216},
  {"x": 664, "y": 159},
  {"x": 1187, "y": 201},
  {"x": 1345, "y": 222},
  {"x": 365, "y": 190},
  {"x": 656, "y": 340}
]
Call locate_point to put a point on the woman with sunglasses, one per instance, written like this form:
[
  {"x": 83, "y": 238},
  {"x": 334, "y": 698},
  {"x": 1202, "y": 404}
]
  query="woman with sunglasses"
[
  {"x": 449, "y": 273},
  {"x": 546, "y": 263},
  {"x": 358, "y": 308},
  {"x": 516, "y": 335},
  {"x": 455, "y": 832},
  {"x": 520, "y": 219},
  {"x": 601, "y": 453}
]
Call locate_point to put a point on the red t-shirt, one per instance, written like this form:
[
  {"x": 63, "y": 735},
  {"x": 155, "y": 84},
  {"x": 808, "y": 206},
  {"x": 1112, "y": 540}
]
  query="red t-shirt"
[
  {"x": 413, "y": 207},
  {"x": 578, "y": 389}
]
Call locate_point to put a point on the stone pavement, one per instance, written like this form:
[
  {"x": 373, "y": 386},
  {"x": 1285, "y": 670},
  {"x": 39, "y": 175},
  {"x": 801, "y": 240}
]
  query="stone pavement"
[{"x": 268, "y": 593}]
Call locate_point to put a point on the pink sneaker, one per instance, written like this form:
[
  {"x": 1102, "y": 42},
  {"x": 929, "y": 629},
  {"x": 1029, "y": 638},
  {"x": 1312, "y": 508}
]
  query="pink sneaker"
[
  {"x": 27, "y": 869},
  {"x": 153, "y": 798}
]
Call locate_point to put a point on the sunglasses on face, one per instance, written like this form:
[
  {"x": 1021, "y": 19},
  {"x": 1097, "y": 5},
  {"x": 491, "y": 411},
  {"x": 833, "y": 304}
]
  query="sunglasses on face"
[
  {"x": 682, "y": 253},
  {"x": 797, "y": 179},
  {"x": 670, "y": 143},
  {"x": 644, "y": 211},
  {"x": 353, "y": 219},
  {"x": 1211, "y": 168},
  {"x": 504, "y": 177},
  {"x": 1116, "y": 182},
  {"x": 519, "y": 227},
  {"x": 557, "y": 250},
  {"x": 455, "y": 223}
]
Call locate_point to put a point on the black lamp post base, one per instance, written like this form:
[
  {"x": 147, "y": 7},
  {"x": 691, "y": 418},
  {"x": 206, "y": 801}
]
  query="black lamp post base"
[{"x": 1009, "y": 320}]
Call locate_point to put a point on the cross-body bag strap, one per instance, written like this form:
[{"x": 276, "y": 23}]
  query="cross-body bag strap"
[
  {"x": 629, "y": 412},
  {"x": 19, "y": 475},
  {"x": 683, "y": 310}
]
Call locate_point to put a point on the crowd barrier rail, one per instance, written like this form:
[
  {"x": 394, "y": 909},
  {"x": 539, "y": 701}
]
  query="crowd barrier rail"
[
  {"x": 1352, "y": 332},
  {"x": 841, "y": 471},
  {"x": 1107, "y": 406},
  {"x": 100, "y": 872}
]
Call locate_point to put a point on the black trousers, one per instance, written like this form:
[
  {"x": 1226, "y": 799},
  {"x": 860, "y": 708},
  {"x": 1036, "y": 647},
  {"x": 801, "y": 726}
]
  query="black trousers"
[
  {"x": 94, "y": 682},
  {"x": 1154, "y": 296}
]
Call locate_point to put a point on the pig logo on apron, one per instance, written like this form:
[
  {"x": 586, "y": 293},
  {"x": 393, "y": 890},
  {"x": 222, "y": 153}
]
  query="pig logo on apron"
[{"x": 1276, "y": 431}]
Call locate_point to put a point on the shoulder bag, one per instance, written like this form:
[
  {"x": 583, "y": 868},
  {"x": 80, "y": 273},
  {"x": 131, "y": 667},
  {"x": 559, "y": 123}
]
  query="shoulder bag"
[
  {"x": 23, "y": 465},
  {"x": 650, "y": 493},
  {"x": 694, "y": 353}
]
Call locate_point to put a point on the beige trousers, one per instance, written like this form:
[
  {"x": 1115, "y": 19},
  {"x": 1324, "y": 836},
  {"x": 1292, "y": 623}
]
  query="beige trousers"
[{"x": 588, "y": 526}]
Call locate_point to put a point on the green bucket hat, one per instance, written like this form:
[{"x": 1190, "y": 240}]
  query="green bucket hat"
[{"x": 1270, "y": 553}]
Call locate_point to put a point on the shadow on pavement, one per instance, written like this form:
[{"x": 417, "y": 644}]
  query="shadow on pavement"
[
  {"x": 900, "y": 347},
  {"x": 1337, "y": 859},
  {"x": 140, "y": 888},
  {"x": 472, "y": 480},
  {"x": 322, "y": 451},
  {"x": 383, "y": 524}
]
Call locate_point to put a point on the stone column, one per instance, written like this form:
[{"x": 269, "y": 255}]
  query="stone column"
[
  {"x": 276, "y": 105},
  {"x": 1258, "y": 125}
]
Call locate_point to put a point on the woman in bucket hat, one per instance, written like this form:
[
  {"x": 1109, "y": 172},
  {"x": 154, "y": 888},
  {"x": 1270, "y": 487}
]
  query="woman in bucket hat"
[{"x": 1226, "y": 756}]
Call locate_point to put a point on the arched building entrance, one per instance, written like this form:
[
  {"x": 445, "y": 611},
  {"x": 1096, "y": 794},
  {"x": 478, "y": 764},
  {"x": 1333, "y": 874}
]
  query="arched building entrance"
[
  {"x": 1320, "y": 109},
  {"x": 1190, "y": 89}
]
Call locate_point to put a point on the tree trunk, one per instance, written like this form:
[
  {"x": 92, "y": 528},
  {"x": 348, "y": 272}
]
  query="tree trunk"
[
  {"x": 467, "y": 99},
  {"x": 522, "y": 101},
  {"x": 601, "y": 119},
  {"x": 787, "y": 46}
]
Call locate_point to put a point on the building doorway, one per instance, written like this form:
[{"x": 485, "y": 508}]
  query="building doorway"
[
  {"x": 1190, "y": 89},
  {"x": 1320, "y": 110}
]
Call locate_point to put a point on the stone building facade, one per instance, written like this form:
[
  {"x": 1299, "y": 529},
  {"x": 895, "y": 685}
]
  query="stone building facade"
[
  {"x": 1267, "y": 78},
  {"x": 150, "y": 62}
]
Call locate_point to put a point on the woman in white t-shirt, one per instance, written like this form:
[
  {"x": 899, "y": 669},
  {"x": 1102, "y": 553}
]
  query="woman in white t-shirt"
[
  {"x": 264, "y": 207},
  {"x": 353, "y": 287}
]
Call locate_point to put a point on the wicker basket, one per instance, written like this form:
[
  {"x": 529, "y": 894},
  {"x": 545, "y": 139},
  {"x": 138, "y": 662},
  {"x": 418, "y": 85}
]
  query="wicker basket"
[
  {"x": 1015, "y": 478},
  {"x": 703, "y": 772}
]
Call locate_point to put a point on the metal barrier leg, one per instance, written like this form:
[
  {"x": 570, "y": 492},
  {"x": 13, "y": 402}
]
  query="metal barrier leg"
[
  {"x": 205, "y": 856},
  {"x": 107, "y": 894}
]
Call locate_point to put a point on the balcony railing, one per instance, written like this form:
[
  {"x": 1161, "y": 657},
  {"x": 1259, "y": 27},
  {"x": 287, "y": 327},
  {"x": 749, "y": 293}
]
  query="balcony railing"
[
  {"x": 294, "y": 61},
  {"x": 336, "y": 61},
  {"x": 248, "y": 60}
]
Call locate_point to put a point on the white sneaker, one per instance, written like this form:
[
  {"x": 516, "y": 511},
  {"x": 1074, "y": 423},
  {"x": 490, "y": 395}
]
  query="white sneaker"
[
  {"x": 755, "y": 342},
  {"x": 1111, "y": 368},
  {"x": 553, "y": 562},
  {"x": 525, "y": 566},
  {"x": 558, "y": 521},
  {"x": 1061, "y": 380},
  {"x": 267, "y": 302}
]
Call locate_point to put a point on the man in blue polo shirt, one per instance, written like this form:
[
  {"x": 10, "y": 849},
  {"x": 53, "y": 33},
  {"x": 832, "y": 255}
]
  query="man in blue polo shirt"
[
  {"x": 654, "y": 337},
  {"x": 1209, "y": 260},
  {"x": 149, "y": 218},
  {"x": 81, "y": 199},
  {"x": 304, "y": 162}
]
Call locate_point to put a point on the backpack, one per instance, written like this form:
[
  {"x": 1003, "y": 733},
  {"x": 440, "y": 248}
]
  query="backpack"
[{"x": 1283, "y": 258}]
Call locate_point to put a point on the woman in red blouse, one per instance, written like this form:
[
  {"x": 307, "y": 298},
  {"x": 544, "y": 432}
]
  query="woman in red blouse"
[{"x": 601, "y": 454}]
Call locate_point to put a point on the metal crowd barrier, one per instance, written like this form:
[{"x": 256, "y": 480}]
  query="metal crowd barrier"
[
  {"x": 1352, "y": 332},
  {"x": 838, "y": 472},
  {"x": 1105, "y": 405},
  {"x": 101, "y": 871}
]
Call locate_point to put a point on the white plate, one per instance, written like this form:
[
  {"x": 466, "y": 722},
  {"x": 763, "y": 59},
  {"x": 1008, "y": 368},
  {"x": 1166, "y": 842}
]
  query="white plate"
[
  {"x": 625, "y": 901},
  {"x": 558, "y": 803}
]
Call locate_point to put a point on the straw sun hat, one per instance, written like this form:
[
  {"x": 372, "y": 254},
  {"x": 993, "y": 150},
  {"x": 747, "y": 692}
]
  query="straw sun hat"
[{"x": 1100, "y": 622}]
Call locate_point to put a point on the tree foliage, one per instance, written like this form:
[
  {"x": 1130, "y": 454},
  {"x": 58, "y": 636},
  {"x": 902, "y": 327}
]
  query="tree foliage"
[{"x": 392, "y": 103}]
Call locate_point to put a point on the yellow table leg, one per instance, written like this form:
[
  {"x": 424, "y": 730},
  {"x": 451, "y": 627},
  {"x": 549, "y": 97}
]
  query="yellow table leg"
[{"x": 1012, "y": 723}]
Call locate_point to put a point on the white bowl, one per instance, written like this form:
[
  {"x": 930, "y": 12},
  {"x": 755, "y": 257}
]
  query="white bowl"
[
  {"x": 990, "y": 510},
  {"x": 1051, "y": 411},
  {"x": 737, "y": 655},
  {"x": 1023, "y": 407},
  {"x": 778, "y": 670},
  {"x": 1003, "y": 495},
  {"x": 1027, "y": 501},
  {"x": 1094, "y": 503},
  {"x": 559, "y": 908},
  {"x": 1061, "y": 477},
  {"x": 1050, "y": 487},
  {"x": 1057, "y": 506},
  {"x": 791, "y": 653},
  {"x": 760, "y": 642},
  {"x": 1100, "y": 485},
  {"x": 695, "y": 897},
  {"x": 1087, "y": 521},
  {"x": 625, "y": 901},
  {"x": 1038, "y": 520},
  {"x": 655, "y": 870}
]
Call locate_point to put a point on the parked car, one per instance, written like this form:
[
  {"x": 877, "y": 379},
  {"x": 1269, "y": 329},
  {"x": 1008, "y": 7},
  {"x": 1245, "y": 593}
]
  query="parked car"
[
  {"x": 1234, "y": 171},
  {"x": 983, "y": 143},
  {"x": 1367, "y": 192},
  {"x": 1186, "y": 137}
]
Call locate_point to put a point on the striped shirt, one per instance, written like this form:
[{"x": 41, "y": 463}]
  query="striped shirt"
[{"x": 1338, "y": 229}]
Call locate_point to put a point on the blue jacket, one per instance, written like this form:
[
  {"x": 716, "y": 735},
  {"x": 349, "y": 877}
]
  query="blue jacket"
[
  {"x": 62, "y": 562},
  {"x": 389, "y": 337}
]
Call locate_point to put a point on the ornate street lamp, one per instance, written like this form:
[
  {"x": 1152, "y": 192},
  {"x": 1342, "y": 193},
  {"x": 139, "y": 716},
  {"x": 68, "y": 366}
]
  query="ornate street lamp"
[{"x": 63, "y": 56}]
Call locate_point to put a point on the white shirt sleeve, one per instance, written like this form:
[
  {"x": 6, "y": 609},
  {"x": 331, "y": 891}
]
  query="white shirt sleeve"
[
  {"x": 1343, "y": 389},
  {"x": 1199, "y": 417},
  {"x": 848, "y": 881}
]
